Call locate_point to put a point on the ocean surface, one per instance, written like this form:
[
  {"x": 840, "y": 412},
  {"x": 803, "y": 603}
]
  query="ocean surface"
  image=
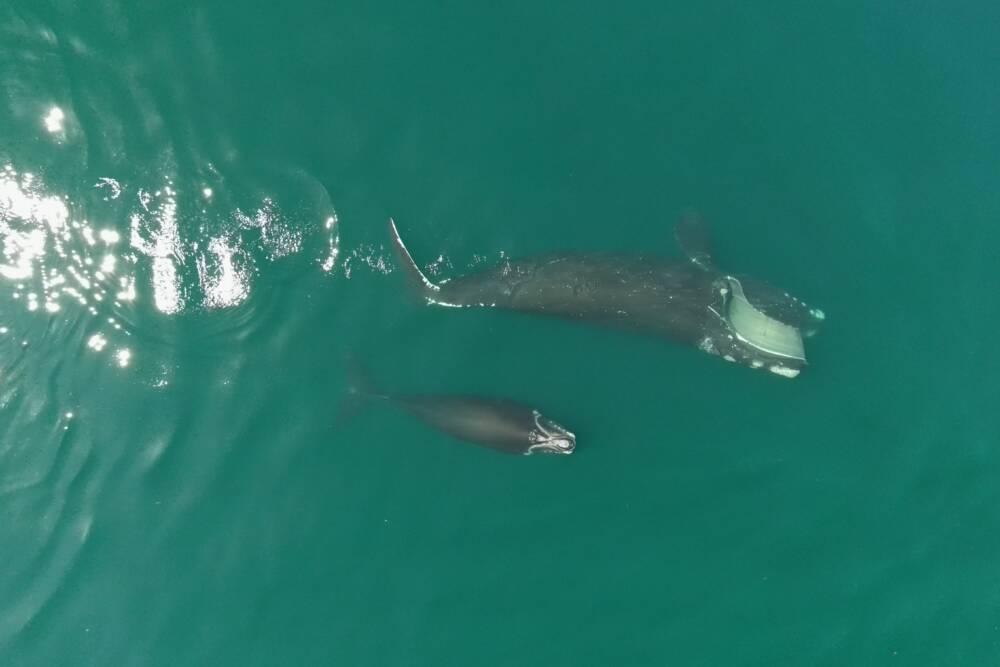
[{"x": 193, "y": 206}]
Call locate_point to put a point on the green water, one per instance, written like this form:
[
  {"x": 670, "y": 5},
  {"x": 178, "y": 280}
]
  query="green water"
[{"x": 174, "y": 487}]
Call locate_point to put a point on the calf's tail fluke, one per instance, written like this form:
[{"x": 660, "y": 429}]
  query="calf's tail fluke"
[
  {"x": 360, "y": 391},
  {"x": 416, "y": 277}
]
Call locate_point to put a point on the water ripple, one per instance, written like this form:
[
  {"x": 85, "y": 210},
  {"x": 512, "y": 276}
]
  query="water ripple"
[
  {"x": 131, "y": 231},
  {"x": 48, "y": 487}
]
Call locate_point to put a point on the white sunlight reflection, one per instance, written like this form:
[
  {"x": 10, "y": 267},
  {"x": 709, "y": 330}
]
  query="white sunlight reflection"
[
  {"x": 163, "y": 246},
  {"x": 55, "y": 261},
  {"x": 226, "y": 283},
  {"x": 330, "y": 261},
  {"x": 54, "y": 120},
  {"x": 47, "y": 255},
  {"x": 97, "y": 342},
  {"x": 43, "y": 251}
]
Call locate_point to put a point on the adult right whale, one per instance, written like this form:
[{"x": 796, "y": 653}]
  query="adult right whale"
[{"x": 735, "y": 317}]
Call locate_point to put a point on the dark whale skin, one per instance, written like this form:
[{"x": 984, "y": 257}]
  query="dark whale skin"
[{"x": 681, "y": 300}]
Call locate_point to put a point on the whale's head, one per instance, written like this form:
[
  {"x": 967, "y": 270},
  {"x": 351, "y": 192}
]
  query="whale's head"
[
  {"x": 779, "y": 305},
  {"x": 548, "y": 437},
  {"x": 759, "y": 326}
]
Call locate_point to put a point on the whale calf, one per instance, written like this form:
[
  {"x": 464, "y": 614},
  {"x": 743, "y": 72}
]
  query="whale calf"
[
  {"x": 690, "y": 300},
  {"x": 498, "y": 423}
]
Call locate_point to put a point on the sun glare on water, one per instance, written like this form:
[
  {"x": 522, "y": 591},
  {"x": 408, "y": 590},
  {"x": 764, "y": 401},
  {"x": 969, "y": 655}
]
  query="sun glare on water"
[{"x": 178, "y": 248}]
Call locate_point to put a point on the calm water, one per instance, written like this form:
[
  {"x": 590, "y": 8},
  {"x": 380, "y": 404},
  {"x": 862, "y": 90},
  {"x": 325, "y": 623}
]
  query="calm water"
[{"x": 192, "y": 209}]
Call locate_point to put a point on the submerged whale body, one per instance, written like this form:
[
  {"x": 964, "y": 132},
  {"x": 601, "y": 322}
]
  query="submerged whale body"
[
  {"x": 689, "y": 300},
  {"x": 498, "y": 423},
  {"x": 501, "y": 424}
]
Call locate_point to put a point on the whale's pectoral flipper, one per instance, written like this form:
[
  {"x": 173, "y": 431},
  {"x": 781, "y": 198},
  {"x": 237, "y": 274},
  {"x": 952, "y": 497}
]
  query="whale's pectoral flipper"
[
  {"x": 694, "y": 238},
  {"x": 426, "y": 288}
]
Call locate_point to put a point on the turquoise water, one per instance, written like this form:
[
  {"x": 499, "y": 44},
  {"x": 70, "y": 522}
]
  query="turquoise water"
[{"x": 192, "y": 214}]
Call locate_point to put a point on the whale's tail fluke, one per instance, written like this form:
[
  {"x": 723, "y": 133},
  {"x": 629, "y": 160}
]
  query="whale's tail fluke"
[
  {"x": 416, "y": 277},
  {"x": 360, "y": 391}
]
